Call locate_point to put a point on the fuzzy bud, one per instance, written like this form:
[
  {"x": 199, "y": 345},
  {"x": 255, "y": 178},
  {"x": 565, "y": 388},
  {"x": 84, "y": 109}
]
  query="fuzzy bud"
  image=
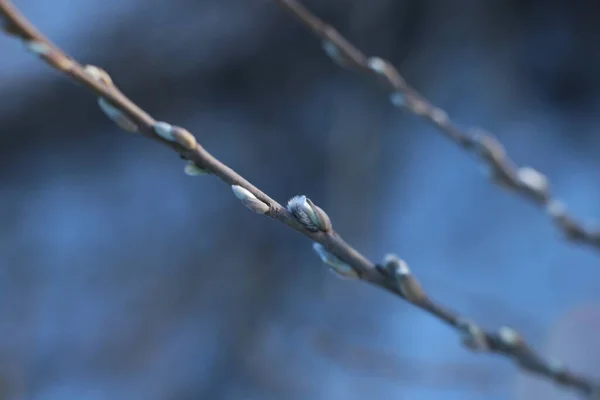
[
  {"x": 250, "y": 200},
  {"x": 335, "y": 54},
  {"x": 311, "y": 216},
  {"x": 191, "y": 169},
  {"x": 472, "y": 335},
  {"x": 38, "y": 48},
  {"x": 117, "y": 116},
  {"x": 509, "y": 337},
  {"x": 164, "y": 130},
  {"x": 533, "y": 180},
  {"x": 340, "y": 268},
  {"x": 398, "y": 99},
  {"x": 385, "y": 70},
  {"x": 406, "y": 283}
]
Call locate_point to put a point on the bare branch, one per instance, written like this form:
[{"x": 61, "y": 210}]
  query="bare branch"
[
  {"x": 301, "y": 214},
  {"x": 525, "y": 181}
]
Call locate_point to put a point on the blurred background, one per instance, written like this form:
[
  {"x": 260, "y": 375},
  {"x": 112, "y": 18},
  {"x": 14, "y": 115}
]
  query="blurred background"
[{"x": 122, "y": 278}]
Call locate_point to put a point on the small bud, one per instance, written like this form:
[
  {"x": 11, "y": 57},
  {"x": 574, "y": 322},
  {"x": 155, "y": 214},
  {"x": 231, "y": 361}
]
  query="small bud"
[
  {"x": 164, "y": 130},
  {"x": 311, "y": 216},
  {"x": 472, "y": 335},
  {"x": 533, "y": 180},
  {"x": 556, "y": 366},
  {"x": 191, "y": 169},
  {"x": 378, "y": 65},
  {"x": 184, "y": 138},
  {"x": 117, "y": 116},
  {"x": 386, "y": 70},
  {"x": 250, "y": 200},
  {"x": 98, "y": 74},
  {"x": 38, "y": 48},
  {"x": 556, "y": 209},
  {"x": 333, "y": 52},
  {"x": 489, "y": 147},
  {"x": 340, "y": 268},
  {"x": 439, "y": 116},
  {"x": 407, "y": 284},
  {"x": 398, "y": 99},
  {"x": 509, "y": 337},
  {"x": 319, "y": 217}
]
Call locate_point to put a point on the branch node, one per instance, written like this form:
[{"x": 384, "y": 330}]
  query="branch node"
[{"x": 98, "y": 74}]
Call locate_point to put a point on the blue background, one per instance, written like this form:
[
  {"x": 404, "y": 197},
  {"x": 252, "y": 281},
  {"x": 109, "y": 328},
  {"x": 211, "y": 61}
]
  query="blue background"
[{"x": 122, "y": 278}]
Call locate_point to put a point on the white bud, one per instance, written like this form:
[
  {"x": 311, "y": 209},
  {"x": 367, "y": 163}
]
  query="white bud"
[
  {"x": 398, "y": 99},
  {"x": 332, "y": 50},
  {"x": 556, "y": 209},
  {"x": 533, "y": 180},
  {"x": 385, "y": 70},
  {"x": 184, "y": 138},
  {"x": 191, "y": 169},
  {"x": 164, "y": 130},
  {"x": 378, "y": 65},
  {"x": 472, "y": 335},
  {"x": 406, "y": 283},
  {"x": 556, "y": 365},
  {"x": 301, "y": 207},
  {"x": 439, "y": 116},
  {"x": 38, "y": 48},
  {"x": 509, "y": 336},
  {"x": 340, "y": 268},
  {"x": 395, "y": 265},
  {"x": 117, "y": 116},
  {"x": 250, "y": 200}
]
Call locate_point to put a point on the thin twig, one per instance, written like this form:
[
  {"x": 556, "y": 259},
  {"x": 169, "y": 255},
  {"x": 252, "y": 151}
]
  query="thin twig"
[
  {"x": 392, "y": 274},
  {"x": 525, "y": 181}
]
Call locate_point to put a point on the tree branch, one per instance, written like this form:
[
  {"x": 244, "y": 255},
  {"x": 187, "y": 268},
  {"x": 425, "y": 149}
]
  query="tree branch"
[
  {"x": 392, "y": 274},
  {"x": 525, "y": 181}
]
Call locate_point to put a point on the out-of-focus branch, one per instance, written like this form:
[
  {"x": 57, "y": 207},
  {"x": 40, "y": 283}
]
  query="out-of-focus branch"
[
  {"x": 525, "y": 181},
  {"x": 392, "y": 274}
]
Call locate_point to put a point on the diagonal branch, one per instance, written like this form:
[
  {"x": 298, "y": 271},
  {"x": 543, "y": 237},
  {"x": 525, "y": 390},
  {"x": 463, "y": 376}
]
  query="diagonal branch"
[
  {"x": 392, "y": 274},
  {"x": 525, "y": 181}
]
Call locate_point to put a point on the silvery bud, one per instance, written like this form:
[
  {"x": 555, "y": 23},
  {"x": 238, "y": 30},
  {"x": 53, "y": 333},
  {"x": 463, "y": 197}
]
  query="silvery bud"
[
  {"x": 38, "y": 48},
  {"x": 509, "y": 337},
  {"x": 406, "y": 283},
  {"x": 311, "y": 216},
  {"x": 534, "y": 181},
  {"x": 338, "y": 267},
  {"x": 472, "y": 335},
  {"x": 164, "y": 130},
  {"x": 386, "y": 70},
  {"x": 115, "y": 115},
  {"x": 250, "y": 200},
  {"x": 191, "y": 169}
]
